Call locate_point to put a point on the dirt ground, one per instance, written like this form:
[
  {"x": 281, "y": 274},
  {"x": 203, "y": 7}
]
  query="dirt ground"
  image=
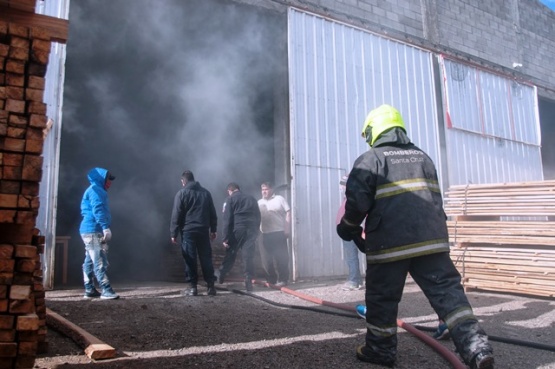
[{"x": 156, "y": 326}]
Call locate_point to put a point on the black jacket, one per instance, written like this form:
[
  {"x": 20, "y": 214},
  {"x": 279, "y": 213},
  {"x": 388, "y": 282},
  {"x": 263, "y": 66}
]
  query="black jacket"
[
  {"x": 193, "y": 210},
  {"x": 394, "y": 185},
  {"x": 240, "y": 211}
]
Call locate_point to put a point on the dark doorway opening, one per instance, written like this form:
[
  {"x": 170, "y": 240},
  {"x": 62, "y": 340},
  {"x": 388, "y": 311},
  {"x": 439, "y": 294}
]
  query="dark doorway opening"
[{"x": 152, "y": 91}]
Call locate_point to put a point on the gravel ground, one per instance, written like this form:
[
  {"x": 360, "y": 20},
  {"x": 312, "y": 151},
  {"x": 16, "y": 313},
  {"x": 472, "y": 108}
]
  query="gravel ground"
[{"x": 155, "y": 326}]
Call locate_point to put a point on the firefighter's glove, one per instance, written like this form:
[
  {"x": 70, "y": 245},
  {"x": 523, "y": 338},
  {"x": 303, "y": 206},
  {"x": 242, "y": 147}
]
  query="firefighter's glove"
[
  {"x": 348, "y": 232},
  {"x": 107, "y": 235}
]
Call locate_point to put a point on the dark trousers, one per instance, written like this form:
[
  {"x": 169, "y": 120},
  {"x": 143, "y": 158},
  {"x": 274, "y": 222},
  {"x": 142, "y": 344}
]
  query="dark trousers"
[
  {"x": 193, "y": 245},
  {"x": 243, "y": 239},
  {"x": 440, "y": 281},
  {"x": 275, "y": 257}
]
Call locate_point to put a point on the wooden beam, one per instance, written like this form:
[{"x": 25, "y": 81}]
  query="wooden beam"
[
  {"x": 57, "y": 28},
  {"x": 26, "y": 5},
  {"x": 94, "y": 348}
]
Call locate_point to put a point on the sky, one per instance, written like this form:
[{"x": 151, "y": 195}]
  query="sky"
[
  {"x": 549, "y": 3},
  {"x": 154, "y": 89}
]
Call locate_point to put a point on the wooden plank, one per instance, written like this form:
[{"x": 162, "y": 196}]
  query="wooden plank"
[
  {"x": 523, "y": 261},
  {"x": 515, "y": 240},
  {"x": 504, "y": 288},
  {"x": 28, "y": 5},
  {"x": 56, "y": 28},
  {"x": 94, "y": 347}
]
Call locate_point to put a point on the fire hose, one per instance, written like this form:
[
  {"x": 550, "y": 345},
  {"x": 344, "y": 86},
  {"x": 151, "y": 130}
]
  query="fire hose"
[
  {"x": 444, "y": 352},
  {"x": 416, "y": 330}
]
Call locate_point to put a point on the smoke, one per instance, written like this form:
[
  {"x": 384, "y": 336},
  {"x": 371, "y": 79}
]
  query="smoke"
[{"x": 155, "y": 88}]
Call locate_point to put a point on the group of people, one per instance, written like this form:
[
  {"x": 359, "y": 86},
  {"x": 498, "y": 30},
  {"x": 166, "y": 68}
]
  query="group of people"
[
  {"x": 195, "y": 221},
  {"x": 244, "y": 219},
  {"x": 392, "y": 212}
]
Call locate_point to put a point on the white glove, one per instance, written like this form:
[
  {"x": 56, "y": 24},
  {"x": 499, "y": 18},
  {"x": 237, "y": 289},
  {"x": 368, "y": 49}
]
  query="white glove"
[{"x": 107, "y": 235}]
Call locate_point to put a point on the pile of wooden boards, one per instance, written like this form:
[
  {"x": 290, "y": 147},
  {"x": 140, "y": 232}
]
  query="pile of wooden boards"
[
  {"x": 24, "y": 53},
  {"x": 503, "y": 236}
]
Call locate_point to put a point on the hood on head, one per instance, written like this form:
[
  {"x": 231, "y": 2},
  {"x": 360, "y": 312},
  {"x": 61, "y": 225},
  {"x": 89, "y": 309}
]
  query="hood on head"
[{"x": 98, "y": 176}]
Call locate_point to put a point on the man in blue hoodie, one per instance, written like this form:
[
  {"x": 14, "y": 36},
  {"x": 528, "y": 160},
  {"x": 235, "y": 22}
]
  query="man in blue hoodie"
[{"x": 95, "y": 232}]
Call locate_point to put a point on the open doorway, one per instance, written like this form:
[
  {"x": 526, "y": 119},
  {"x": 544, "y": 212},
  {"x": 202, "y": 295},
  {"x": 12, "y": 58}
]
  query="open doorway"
[{"x": 153, "y": 90}]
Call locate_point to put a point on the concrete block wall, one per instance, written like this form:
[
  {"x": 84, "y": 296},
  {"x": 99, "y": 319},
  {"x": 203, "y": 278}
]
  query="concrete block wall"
[{"x": 492, "y": 33}]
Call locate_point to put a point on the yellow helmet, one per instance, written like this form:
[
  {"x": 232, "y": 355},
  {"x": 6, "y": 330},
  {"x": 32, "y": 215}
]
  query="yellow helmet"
[{"x": 380, "y": 120}]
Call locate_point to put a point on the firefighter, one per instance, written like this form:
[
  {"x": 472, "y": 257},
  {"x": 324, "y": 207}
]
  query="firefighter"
[{"x": 394, "y": 185}]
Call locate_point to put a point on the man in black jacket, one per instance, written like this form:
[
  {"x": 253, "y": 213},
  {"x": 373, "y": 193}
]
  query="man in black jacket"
[
  {"x": 194, "y": 217},
  {"x": 394, "y": 186},
  {"x": 241, "y": 226}
]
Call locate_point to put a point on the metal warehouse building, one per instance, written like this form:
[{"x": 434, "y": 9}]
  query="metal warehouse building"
[{"x": 474, "y": 80}]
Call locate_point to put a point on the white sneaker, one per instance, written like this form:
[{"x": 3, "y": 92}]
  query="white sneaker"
[{"x": 351, "y": 286}]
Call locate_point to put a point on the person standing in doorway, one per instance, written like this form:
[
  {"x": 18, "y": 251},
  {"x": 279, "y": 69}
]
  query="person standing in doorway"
[
  {"x": 241, "y": 226},
  {"x": 276, "y": 227},
  {"x": 96, "y": 233},
  {"x": 350, "y": 250},
  {"x": 194, "y": 218},
  {"x": 395, "y": 187}
]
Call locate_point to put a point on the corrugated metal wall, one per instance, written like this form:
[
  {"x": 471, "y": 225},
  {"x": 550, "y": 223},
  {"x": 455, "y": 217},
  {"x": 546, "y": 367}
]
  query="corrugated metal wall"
[
  {"x": 493, "y": 132},
  {"x": 337, "y": 74},
  {"x": 53, "y": 98}
]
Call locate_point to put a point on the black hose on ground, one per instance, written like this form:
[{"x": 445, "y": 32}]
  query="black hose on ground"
[
  {"x": 511, "y": 341},
  {"x": 444, "y": 352}
]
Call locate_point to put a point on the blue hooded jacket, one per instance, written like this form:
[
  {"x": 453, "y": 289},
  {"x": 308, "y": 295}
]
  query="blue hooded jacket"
[{"x": 94, "y": 205}]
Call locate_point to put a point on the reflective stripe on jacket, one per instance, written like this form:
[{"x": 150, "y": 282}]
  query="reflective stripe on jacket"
[{"x": 395, "y": 186}]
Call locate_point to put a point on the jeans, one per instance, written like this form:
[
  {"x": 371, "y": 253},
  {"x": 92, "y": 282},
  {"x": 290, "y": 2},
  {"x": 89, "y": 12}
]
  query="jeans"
[
  {"x": 96, "y": 262},
  {"x": 195, "y": 244},
  {"x": 351, "y": 258}
]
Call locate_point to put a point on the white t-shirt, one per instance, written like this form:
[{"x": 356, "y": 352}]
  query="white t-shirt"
[{"x": 273, "y": 212}]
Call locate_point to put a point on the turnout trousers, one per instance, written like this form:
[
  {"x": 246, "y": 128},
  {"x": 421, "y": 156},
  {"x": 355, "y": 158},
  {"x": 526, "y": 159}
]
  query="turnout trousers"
[{"x": 440, "y": 281}]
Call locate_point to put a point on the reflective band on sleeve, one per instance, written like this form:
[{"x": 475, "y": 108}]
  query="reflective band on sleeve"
[{"x": 409, "y": 185}]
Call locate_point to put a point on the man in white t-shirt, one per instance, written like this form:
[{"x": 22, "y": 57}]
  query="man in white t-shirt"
[{"x": 275, "y": 227}]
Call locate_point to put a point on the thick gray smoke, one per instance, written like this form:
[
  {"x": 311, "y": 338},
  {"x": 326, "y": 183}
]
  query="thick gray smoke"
[{"x": 156, "y": 87}]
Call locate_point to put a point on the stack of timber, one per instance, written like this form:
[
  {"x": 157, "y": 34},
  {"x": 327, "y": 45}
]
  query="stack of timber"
[
  {"x": 495, "y": 254},
  {"x": 24, "y": 53}
]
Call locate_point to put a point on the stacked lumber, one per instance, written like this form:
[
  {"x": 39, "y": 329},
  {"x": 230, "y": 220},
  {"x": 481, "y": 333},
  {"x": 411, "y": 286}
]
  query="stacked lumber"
[
  {"x": 511, "y": 256},
  {"x": 502, "y": 199},
  {"x": 522, "y": 270},
  {"x": 502, "y": 233},
  {"x": 24, "y": 53}
]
